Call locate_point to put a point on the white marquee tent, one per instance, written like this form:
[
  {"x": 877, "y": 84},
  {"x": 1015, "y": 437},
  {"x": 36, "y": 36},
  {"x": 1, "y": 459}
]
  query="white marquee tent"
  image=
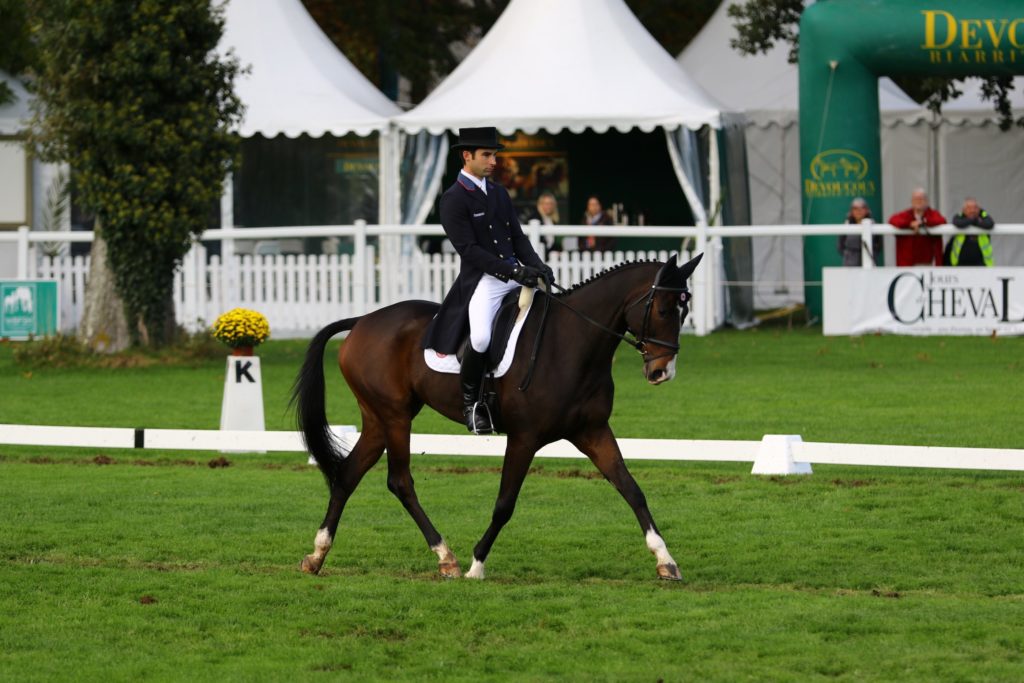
[{"x": 572, "y": 64}]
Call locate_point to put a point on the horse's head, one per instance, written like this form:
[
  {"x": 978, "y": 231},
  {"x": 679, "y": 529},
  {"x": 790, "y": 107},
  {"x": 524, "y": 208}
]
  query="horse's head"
[{"x": 656, "y": 317}]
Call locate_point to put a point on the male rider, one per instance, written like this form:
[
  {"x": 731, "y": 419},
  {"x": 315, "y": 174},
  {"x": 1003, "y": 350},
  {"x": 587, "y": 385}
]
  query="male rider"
[{"x": 496, "y": 257}]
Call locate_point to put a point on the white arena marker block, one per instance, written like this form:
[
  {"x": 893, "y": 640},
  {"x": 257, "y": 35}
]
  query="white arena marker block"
[
  {"x": 242, "y": 407},
  {"x": 775, "y": 456}
]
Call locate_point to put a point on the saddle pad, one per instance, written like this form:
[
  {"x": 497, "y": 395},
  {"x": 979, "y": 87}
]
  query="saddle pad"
[{"x": 441, "y": 362}]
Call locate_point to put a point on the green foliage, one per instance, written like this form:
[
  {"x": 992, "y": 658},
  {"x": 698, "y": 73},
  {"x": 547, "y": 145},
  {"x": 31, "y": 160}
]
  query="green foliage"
[
  {"x": 17, "y": 51},
  {"x": 134, "y": 96},
  {"x": 762, "y": 23}
]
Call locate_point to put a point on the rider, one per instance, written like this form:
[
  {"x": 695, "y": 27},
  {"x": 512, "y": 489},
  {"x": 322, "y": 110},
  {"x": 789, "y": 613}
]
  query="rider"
[{"x": 479, "y": 219}]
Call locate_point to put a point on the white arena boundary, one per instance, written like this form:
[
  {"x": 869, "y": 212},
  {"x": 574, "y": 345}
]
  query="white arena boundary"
[{"x": 774, "y": 454}]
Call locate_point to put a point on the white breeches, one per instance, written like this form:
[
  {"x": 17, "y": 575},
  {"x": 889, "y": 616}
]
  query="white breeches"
[{"x": 483, "y": 307}]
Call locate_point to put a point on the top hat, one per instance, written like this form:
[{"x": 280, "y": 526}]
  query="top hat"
[{"x": 478, "y": 138}]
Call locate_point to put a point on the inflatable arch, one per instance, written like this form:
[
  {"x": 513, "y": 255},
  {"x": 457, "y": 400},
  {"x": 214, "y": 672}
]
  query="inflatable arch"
[{"x": 845, "y": 45}]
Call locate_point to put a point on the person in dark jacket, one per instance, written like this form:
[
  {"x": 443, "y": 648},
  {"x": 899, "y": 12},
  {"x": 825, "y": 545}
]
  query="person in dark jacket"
[
  {"x": 851, "y": 246},
  {"x": 496, "y": 257},
  {"x": 596, "y": 215},
  {"x": 918, "y": 249},
  {"x": 971, "y": 250}
]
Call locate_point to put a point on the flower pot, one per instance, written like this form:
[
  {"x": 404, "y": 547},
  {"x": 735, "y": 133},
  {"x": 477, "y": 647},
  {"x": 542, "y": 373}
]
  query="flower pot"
[{"x": 241, "y": 351}]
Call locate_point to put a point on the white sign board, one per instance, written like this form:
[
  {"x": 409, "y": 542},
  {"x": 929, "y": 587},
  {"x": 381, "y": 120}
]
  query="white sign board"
[{"x": 924, "y": 301}]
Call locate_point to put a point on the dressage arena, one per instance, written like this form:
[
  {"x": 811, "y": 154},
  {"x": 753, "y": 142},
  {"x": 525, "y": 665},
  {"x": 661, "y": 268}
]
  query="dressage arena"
[{"x": 123, "y": 563}]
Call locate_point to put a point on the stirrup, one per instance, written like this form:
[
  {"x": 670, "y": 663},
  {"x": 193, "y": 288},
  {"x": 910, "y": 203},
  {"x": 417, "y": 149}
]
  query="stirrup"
[{"x": 472, "y": 417}]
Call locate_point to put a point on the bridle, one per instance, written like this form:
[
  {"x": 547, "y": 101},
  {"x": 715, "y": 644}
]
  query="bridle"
[{"x": 641, "y": 341}]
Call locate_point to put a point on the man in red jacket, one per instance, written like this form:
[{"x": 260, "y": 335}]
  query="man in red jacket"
[{"x": 918, "y": 249}]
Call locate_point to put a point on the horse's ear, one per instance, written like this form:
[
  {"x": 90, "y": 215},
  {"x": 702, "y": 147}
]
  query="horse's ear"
[
  {"x": 687, "y": 268},
  {"x": 671, "y": 263}
]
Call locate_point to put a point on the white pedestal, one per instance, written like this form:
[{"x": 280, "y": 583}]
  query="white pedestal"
[
  {"x": 775, "y": 456},
  {"x": 242, "y": 407}
]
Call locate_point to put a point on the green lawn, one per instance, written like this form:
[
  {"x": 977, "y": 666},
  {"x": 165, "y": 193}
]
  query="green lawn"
[{"x": 155, "y": 566}]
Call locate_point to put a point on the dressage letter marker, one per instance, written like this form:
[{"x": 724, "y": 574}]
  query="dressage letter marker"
[{"x": 242, "y": 408}]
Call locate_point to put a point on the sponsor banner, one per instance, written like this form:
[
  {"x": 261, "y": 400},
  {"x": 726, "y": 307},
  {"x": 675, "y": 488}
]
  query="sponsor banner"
[
  {"x": 28, "y": 308},
  {"x": 924, "y": 301}
]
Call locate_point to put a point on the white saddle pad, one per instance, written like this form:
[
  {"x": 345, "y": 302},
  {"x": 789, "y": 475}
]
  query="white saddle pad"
[{"x": 449, "y": 362}]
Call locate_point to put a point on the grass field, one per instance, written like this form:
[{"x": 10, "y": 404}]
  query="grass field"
[{"x": 121, "y": 566}]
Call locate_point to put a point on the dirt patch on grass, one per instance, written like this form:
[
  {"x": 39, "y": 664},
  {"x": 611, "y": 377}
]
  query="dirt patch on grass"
[
  {"x": 785, "y": 480},
  {"x": 878, "y": 593},
  {"x": 724, "y": 480},
  {"x": 103, "y": 460},
  {"x": 852, "y": 483},
  {"x": 218, "y": 463},
  {"x": 148, "y": 600},
  {"x": 574, "y": 474},
  {"x": 41, "y": 460}
]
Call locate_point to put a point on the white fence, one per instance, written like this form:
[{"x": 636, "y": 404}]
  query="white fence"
[
  {"x": 299, "y": 294},
  {"x": 774, "y": 454}
]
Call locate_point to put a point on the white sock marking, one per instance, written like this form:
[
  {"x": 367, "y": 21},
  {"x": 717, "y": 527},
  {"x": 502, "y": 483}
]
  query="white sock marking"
[
  {"x": 656, "y": 544},
  {"x": 476, "y": 571},
  {"x": 321, "y": 544},
  {"x": 443, "y": 552}
]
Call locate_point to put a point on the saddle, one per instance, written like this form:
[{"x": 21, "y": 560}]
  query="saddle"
[{"x": 501, "y": 330}]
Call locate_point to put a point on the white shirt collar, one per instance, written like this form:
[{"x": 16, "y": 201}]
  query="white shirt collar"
[{"x": 479, "y": 182}]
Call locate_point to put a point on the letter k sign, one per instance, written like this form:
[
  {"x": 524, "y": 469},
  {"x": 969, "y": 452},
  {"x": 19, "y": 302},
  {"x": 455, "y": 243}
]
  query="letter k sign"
[{"x": 242, "y": 370}]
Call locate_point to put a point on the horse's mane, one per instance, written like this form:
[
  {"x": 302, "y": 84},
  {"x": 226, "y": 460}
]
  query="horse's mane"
[{"x": 606, "y": 271}]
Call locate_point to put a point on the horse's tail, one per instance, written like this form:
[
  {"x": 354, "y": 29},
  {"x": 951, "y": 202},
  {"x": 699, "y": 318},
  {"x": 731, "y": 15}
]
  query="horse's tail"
[{"x": 308, "y": 395}]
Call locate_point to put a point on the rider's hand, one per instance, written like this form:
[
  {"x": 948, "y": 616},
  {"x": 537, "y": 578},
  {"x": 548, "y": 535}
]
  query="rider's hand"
[
  {"x": 548, "y": 276},
  {"x": 527, "y": 276}
]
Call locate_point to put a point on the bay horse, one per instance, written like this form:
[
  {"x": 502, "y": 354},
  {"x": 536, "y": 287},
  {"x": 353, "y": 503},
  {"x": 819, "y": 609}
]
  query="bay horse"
[{"x": 382, "y": 362}]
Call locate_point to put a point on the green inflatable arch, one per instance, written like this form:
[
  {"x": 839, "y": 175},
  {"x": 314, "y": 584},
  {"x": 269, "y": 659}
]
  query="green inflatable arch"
[{"x": 845, "y": 45}]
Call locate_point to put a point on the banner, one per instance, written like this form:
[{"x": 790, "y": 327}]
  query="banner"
[
  {"x": 924, "y": 301},
  {"x": 28, "y": 308}
]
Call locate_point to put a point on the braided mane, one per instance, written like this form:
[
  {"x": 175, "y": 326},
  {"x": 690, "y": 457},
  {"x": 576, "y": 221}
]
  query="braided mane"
[{"x": 606, "y": 271}]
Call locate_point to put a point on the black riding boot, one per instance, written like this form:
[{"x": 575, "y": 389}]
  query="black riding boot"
[{"x": 478, "y": 417}]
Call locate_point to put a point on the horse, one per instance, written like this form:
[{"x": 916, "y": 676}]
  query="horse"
[{"x": 382, "y": 363}]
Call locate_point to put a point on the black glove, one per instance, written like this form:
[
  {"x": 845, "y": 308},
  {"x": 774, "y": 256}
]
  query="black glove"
[
  {"x": 526, "y": 275},
  {"x": 548, "y": 276}
]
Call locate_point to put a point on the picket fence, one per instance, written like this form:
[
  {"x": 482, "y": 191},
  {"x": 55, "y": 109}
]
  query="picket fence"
[{"x": 299, "y": 294}]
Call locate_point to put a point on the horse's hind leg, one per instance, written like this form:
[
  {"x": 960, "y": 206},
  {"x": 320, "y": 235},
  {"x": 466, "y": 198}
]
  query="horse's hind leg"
[
  {"x": 600, "y": 446},
  {"x": 364, "y": 455},
  {"x": 400, "y": 483}
]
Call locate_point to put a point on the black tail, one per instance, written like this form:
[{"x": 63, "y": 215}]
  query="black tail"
[{"x": 308, "y": 395}]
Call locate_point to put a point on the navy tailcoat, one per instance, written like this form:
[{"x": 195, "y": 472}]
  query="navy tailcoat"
[{"x": 485, "y": 232}]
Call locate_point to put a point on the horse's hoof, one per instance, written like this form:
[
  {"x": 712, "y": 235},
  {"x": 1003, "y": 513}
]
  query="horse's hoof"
[
  {"x": 669, "y": 572},
  {"x": 310, "y": 566},
  {"x": 450, "y": 570}
]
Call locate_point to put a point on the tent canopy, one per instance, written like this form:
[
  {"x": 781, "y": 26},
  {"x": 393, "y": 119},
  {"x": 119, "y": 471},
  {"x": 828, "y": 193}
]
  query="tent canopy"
[
  {"x": 14, "y": 115},
  {"x": 765, "y": 86},
  {"x": 299, "y": 82},
  {"x": 557, "y": 64}
]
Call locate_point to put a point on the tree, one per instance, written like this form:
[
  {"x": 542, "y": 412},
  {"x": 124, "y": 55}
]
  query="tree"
[
  {"x": 17, "y": 52},
  {"x": 133, "y": 95},
  {"x": 762, "y": 23}
]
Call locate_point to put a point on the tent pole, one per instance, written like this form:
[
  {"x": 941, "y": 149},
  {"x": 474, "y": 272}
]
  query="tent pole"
[{"x": 229, "y": 292}]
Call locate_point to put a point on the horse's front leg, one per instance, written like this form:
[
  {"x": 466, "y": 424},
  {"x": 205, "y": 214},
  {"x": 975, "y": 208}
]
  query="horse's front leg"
[
  {"x": 518, "y": 456},
  {"x": 600, "y": 446}
]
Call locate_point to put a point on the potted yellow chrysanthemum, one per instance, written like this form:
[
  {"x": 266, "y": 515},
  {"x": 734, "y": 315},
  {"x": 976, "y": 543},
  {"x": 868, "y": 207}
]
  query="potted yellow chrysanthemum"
[{"x": 241, "y": 329}]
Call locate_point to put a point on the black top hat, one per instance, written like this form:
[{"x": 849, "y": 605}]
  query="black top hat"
[{"x": 478, "y": 138}]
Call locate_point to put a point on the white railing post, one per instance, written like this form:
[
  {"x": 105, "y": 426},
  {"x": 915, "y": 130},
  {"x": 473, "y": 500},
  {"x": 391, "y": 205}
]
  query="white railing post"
[
  {"x": 867, "y": 245},
  {"x": 23, "y": 252},
  {"x": 534, "y": 227},
  {"x": 702, "y": 283},
  {"x": 229, "y": 268},
  {"x": 361, "y": 267}
]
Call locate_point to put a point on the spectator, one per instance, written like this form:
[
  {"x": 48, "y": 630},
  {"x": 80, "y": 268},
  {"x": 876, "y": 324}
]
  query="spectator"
[
  {"x": 546, "y": 212},
  {"x": 971, "y": 250},
  {"x": 918, "y": 249},
  {"x": 596, "y": 215},
  {"x": 851, "y": 246}
]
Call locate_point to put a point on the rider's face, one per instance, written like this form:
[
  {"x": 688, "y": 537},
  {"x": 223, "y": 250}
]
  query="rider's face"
[{"x": 481, "y": 162}]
